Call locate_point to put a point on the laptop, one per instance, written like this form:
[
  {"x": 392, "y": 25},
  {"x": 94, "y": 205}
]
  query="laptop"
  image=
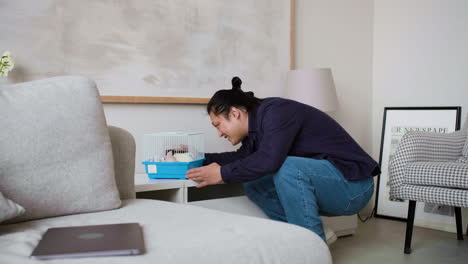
[{"x": 90, "y": 241}]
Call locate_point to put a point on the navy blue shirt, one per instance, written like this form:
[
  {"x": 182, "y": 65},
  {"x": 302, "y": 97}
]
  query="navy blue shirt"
[{"x": 279, "y": 128}]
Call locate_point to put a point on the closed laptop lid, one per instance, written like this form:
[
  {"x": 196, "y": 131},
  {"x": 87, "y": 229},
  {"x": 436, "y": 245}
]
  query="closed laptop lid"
[{"x": 90, "y": 241}]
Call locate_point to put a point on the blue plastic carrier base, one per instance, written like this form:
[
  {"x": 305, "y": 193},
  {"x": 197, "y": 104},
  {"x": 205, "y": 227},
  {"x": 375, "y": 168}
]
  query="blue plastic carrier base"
[{"x": 170, "y": 170}]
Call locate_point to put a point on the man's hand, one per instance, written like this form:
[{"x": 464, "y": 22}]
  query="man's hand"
[{"x": 207, "y": 175}]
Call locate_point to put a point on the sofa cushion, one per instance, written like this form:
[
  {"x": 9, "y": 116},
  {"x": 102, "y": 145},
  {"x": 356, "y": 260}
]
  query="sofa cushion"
[
  {"x": 9, "y": 209},
  {"x": 56, "y": 155},
  {"x": 441, "y": 174},
  {"x": 243, "y": 206},
  {"x": 179, "y": 233}
]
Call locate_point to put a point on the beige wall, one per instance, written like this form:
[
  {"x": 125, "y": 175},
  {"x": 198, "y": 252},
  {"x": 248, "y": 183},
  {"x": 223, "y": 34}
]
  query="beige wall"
[
  {"x": 338, "y": 34},
  {"x": 420, "y": 57}
]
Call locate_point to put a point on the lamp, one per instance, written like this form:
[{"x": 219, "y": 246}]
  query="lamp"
[{"x": 314, "y": 87}]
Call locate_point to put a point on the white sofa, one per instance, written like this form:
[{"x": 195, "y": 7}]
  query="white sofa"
[{"x": 52, "y": 164}]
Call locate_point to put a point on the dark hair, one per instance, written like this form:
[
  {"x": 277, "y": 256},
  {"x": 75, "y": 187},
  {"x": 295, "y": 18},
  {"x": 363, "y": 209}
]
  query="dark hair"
[{"x": 223, "y": 100}]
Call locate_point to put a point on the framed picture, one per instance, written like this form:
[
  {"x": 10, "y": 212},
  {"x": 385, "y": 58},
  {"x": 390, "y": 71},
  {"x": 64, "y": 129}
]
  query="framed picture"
[
  {"x": 154, "y": 51},
  {"x": 396, "y": 122}
]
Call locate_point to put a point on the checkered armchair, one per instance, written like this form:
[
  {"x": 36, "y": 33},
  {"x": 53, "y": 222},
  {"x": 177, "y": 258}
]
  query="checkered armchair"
[{"x": 431, "y": 167}]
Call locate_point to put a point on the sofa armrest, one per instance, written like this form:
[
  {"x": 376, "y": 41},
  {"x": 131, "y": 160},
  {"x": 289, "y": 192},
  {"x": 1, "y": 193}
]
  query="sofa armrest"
[
  {"x": 420, "y": 147},
  {"x": 123, "y": 149}
]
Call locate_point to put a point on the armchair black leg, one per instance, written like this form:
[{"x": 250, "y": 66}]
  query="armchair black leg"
[
  {"x": 458, "y": 220},
  {"x": 409, "y": 226}
]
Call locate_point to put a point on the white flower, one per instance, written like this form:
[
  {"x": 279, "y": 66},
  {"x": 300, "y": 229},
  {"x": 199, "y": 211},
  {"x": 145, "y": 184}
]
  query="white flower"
[{"x": 6, "y": 64}]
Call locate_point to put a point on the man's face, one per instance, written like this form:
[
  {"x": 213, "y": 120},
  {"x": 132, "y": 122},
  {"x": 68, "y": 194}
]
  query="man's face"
[{"x": 233, "y": 128}]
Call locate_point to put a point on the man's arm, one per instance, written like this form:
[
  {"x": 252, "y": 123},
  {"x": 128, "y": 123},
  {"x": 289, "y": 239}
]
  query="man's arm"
[
  {"x": 228, "y": 157},
  {"x": 210, "y": 173}
]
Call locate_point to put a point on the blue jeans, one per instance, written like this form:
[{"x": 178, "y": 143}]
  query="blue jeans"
[{"x": 303, "y": 189}]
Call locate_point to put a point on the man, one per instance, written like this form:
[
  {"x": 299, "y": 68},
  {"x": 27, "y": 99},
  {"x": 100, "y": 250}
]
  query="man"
[{"x": 295, "y": 161}]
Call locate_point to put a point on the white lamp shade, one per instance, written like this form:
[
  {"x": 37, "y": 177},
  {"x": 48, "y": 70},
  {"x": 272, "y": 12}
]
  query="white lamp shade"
[{"x": 314, "y": 87}]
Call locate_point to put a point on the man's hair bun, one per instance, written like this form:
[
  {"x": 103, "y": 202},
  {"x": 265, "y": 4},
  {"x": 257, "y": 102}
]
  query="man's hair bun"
[
  {"x": 236, "y": 83},
  {"x": 223, "y": 100}
]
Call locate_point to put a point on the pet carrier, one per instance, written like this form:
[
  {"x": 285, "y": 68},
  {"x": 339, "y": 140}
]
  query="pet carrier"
[{"x": 170, "y": 154}]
